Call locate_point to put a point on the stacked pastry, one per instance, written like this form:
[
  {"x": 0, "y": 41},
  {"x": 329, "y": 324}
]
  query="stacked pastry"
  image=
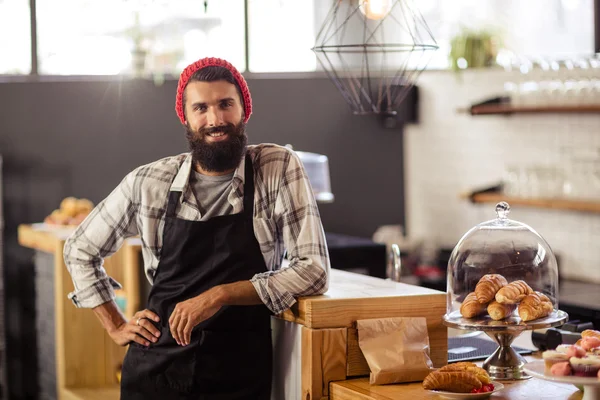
[
  {"x": 498, "y": 298},
  {"x": 580, "y": 359},
  {"x": 72, "y": 212},
  {"x": 462, "y": 377}
]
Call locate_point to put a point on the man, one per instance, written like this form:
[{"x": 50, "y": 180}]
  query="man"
[{"x": 214, "y": 225}]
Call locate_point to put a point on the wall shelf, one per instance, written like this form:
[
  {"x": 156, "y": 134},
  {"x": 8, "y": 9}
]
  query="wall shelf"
[
  {"x": 491, "y": 109},
  {"x": 555, "y": 204}
]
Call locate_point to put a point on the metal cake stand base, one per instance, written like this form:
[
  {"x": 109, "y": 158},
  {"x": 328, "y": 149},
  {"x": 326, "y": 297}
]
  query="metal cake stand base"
[{"x": 505, "y": 363}]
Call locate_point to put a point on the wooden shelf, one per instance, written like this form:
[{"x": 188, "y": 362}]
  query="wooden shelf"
[
  {"x": 491, "y": 109},
  {"x": 555, "y": 204}
]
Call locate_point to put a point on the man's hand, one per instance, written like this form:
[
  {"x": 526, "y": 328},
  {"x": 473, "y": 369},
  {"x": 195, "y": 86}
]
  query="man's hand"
[
  {"x": 191, "y": 312},
  {"x": 138, "y": 329}
]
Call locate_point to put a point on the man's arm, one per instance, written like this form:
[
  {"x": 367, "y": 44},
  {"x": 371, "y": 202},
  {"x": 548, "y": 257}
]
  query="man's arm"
[
  {"x": 189, "y": 313},
  {"x": 101, "y": 234},
  {"x": 297, "y": 216}
]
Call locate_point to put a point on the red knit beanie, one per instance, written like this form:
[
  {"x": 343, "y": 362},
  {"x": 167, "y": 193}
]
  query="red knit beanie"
[{"x": 212, "y": 62}]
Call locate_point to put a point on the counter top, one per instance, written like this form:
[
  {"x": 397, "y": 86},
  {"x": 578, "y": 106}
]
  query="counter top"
[{"x": 359, "y": 389}]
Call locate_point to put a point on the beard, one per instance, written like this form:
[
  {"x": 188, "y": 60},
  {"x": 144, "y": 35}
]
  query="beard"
[{"x": 218, "y": 156}]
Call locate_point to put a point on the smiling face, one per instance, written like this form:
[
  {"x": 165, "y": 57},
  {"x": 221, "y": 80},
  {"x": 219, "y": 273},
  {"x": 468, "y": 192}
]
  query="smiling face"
[{"x": 215, "y": 127}]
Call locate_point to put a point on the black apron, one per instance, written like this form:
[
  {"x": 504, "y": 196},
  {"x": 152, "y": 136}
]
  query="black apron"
[{"x": 230, "y": 354}]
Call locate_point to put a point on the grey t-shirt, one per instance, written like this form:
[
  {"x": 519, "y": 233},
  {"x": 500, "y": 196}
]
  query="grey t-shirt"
[{"x": 211, "y": 194}]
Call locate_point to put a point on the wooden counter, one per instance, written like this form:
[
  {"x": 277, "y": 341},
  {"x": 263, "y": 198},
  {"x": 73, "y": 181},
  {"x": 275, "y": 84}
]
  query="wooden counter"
[
  {"x": 359, "y": 389},
  {"x": 87, "y": 358}
]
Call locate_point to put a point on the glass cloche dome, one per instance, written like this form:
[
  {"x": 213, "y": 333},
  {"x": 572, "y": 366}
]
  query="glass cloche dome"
[{"x": 502, "y": 270}]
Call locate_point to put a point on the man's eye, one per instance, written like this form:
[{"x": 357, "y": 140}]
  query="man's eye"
[{"x": 200, "y": 108}]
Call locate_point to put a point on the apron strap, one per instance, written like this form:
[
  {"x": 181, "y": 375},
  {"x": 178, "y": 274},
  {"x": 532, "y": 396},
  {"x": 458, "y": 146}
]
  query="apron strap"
[
  {"x": 249, "y": 188},
  {"x": 174, "y": 197}
]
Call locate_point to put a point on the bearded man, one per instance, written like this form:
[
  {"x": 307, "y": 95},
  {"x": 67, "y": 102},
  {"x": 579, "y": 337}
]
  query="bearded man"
[{"x": 214, "y": 225}]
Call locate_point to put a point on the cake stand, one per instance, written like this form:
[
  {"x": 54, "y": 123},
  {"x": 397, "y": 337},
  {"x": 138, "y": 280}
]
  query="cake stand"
[{"x": 505, "y": 363}]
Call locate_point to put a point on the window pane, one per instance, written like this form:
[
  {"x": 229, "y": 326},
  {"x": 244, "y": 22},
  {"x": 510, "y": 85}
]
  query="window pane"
[
  {"x": 15, "y": 37},
  {"x": 532, "y": 28},
  {"x": 141, "y": 37},
  {"x": 281, "y": 35}
]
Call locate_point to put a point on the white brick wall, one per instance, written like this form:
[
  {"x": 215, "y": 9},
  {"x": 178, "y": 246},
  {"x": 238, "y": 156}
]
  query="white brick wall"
[{"x": 448, "y": 153}]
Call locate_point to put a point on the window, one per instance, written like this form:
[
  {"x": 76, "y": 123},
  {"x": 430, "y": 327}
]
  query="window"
[
  {"x": 15, "y": 37},
  {"x": 281, "y": 34},
  {"x": 144, "y": 37},
  {"x": 139, "y": 37},
  {"x": 532, "y": 28}
]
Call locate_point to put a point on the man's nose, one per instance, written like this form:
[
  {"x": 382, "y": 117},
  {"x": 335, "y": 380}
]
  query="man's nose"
[{"x": 214, "y": 117}]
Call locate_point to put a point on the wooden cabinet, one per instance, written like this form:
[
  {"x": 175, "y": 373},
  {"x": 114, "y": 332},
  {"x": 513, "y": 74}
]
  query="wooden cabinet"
[{"x": 329, "y": 339}]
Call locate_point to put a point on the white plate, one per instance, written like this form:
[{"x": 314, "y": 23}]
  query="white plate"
[
  {"x": 471, "y": 396},
  {"x": 536, "y": 369}
]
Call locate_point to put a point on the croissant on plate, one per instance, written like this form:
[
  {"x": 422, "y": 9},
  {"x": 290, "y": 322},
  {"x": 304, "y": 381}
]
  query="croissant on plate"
[
  {"x": 488, "y": 286},
  {"x": 535, "y": 305},
  {"x": 454, "y": 381},
  {"x": 499, "y": 311},
  {"x": 470, "y": 307},
  {"x": 513, "y": 293},
  {"x": 479, "y": 372}
]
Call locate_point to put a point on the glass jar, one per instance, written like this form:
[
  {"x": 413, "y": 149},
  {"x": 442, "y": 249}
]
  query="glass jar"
[{"x": 504, "y": 247}]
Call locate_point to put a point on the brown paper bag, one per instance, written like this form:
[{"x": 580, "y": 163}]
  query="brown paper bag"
[{"x": 396, "y": 349}]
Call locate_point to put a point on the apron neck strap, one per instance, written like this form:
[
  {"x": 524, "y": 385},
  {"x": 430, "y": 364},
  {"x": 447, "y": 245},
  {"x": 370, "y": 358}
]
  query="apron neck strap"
[
  {"x": 249, "y": 187},
  {"x": 174, "y": 196}
]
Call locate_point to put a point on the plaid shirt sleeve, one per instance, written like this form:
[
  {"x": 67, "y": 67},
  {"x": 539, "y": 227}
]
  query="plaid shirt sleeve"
[
  {"x": 100, "y": 235},
  {"x": 297, "y": 217}
]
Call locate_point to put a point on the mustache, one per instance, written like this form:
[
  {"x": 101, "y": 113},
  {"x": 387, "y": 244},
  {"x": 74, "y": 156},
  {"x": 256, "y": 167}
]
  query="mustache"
[{"x": 229, "y": 129}]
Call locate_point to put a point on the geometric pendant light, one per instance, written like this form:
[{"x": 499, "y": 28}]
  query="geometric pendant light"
[{"x": 373, "y": 51}]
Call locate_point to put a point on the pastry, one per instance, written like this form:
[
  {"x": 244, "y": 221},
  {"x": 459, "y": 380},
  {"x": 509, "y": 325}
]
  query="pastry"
[
  {"x": 552, "y": 357},
  {"x": 453, "y": 381},
  {"x": 575, "y": 351},
  {"x": 562, "y": 348},
  {"x": 590, "y": 342},
  {"x": 84, "y": 206},
  {"x": 587, "y": 366},
  {"x": 479, "y": 372},
  {"x": 533, "y": 306},
  {"x": 590, "y": 333},
  {"x": 488, "y": 286},
  {"x": 513, "y": 293},
  {"x": 470, "y": 307},
  {"x": 69, "y": 206},
  {"x": 561, "y": 369},
  {"x": 500, "y": 311}
]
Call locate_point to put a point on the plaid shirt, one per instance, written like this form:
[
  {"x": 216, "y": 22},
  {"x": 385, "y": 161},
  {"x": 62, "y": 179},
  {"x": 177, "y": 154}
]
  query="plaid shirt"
[{"x": 285, "y": 217}]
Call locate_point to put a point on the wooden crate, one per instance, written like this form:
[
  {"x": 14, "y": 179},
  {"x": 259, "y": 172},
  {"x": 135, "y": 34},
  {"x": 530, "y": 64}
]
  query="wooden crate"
[{"x": 330, "y": 350}]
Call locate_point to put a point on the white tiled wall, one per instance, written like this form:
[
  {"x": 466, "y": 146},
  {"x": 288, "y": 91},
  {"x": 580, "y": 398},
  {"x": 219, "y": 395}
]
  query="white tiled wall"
[{"x": 448, "y": 153}]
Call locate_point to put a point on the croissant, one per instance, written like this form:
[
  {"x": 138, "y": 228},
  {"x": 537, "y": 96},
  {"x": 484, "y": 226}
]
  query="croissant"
[
  {"x": 500, "y": 311},
  {"x": 480, "y": 373},
  {"x": 590, "y": 333},
  {"x": 513, "y": 293},
  {"x": 488, "y": 286},
  {"x": 454, "y": 381},
  {"x": 470, "y": 307},
  {"x": 535, "y": 305}
]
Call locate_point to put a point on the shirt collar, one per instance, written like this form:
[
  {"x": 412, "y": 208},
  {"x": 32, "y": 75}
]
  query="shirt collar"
[{"x": 182, "y": 179}]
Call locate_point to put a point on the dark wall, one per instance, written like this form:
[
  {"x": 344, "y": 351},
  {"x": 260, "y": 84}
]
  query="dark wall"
[{"x": 81, "y": 138}]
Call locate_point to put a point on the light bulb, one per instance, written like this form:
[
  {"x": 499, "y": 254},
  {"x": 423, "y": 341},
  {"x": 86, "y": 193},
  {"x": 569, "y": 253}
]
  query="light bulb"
[{"x": 375, "y": 9}]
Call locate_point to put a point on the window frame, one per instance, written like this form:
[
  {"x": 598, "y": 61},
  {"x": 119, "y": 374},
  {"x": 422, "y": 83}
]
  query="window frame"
[{"x": 34, "y": 75}]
